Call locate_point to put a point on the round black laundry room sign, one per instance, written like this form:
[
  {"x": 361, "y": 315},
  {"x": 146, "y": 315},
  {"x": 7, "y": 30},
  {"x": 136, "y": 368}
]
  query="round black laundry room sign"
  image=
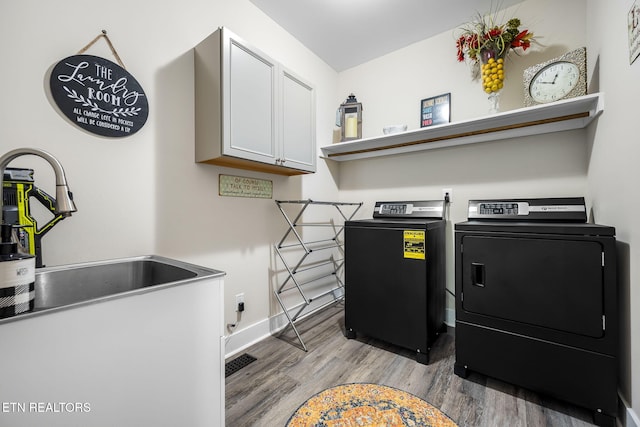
[{"x": 99, "y": 96}]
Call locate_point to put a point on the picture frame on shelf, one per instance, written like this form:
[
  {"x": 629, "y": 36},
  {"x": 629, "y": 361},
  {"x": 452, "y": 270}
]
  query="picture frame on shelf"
[{"x": 435, "y": 110}]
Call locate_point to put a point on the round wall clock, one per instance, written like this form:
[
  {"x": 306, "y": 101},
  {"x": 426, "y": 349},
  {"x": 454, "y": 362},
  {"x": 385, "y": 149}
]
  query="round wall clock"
[{"x": 559, "y": 78}]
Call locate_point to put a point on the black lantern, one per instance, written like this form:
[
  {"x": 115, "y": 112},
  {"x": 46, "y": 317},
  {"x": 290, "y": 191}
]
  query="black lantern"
[{"x": 350, "y": 119}]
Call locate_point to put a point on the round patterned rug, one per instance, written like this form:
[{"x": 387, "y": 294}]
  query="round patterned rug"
[{"x": 367, "y": 405}]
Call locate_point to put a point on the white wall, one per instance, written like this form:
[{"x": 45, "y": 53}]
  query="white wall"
[
  {"x": 391, "y": 87},
  {"x": 613, "y": 172},
  {"x": 144, "y": 194}
]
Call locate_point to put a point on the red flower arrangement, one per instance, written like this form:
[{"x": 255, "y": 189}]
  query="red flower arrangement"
[{"x": 484, "y": 34}]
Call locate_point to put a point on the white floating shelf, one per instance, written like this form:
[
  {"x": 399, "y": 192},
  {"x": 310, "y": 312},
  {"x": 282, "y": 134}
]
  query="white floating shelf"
[{"x": 575, "y": 113}]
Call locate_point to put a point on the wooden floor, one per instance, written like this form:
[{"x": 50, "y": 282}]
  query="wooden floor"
[{"x": 269, "y": 390}]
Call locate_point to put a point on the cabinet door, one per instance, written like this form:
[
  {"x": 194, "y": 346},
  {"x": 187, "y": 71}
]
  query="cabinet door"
[
  {"x": 298, "y": 123},
  {"x": 249, "y": 99}
]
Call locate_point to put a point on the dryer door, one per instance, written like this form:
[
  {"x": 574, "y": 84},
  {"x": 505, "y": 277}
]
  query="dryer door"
[{"x": 550, "y": 283}]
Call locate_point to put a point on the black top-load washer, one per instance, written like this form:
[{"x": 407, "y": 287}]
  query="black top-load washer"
[
  {"x": 395, "y": 275},
  {"x": 536, "y": 300}
]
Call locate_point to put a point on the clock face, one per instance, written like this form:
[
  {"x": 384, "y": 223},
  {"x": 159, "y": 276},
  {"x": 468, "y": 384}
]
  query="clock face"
[{"x": 554, "y": 82}]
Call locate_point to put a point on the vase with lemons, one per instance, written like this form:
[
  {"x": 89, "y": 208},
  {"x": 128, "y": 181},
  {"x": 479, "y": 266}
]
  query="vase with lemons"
[{"x": 486, "y": 45}]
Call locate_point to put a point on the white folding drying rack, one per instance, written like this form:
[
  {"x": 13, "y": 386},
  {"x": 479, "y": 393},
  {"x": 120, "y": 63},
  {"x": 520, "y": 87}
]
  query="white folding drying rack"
[{"x": 300, "y": 261}]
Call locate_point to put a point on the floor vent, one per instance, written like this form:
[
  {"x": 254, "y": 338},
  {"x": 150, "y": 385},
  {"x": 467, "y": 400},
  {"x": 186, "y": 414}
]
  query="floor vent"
[{"x": 238, "y": 363}]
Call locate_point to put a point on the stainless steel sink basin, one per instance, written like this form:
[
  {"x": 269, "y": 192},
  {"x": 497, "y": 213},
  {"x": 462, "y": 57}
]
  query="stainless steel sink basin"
[{"x": 70, "y": 285}]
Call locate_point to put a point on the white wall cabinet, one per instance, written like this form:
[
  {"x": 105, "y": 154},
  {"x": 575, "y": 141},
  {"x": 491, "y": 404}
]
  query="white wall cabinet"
[{"x": 251, "y": 112}]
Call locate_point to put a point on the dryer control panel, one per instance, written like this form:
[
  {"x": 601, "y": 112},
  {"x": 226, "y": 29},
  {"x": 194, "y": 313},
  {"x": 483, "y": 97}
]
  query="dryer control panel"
[{"x": 572, "y": 209}]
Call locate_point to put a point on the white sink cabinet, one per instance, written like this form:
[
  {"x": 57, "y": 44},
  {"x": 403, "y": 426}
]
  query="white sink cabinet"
[{"x": 152, "y": 359}]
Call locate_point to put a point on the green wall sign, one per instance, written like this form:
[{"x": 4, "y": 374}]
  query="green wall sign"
[{"x": 241, "y": 186}]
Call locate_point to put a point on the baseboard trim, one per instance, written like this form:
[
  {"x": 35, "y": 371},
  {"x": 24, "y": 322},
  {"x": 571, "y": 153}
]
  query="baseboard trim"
[
  {"x": 241, "y": 340},
  {"x": 632, "y": 418},
  {"x": 450, "y": 317},
  {"x": 628, "y": 415}
]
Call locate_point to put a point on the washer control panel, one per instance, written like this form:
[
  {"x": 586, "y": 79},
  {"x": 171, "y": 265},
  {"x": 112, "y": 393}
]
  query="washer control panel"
[
  {"x": 414, "y": 209},
  {"x": 572, "y": 209}
]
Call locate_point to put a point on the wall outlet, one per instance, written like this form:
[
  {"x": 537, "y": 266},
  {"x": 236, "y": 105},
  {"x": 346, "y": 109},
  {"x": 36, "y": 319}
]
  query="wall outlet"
[
  {"x": 239, "y": 301},
  {"x": 448, "y": 191}
]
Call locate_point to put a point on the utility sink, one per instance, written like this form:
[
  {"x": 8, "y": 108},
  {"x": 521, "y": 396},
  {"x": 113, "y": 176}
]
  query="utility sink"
[
  {"x": 83, "y": 283},
  {"x": 152, "y": 323}
]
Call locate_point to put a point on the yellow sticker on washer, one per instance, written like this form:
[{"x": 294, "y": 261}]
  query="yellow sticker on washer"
[{"x": 414, "y": 246}]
